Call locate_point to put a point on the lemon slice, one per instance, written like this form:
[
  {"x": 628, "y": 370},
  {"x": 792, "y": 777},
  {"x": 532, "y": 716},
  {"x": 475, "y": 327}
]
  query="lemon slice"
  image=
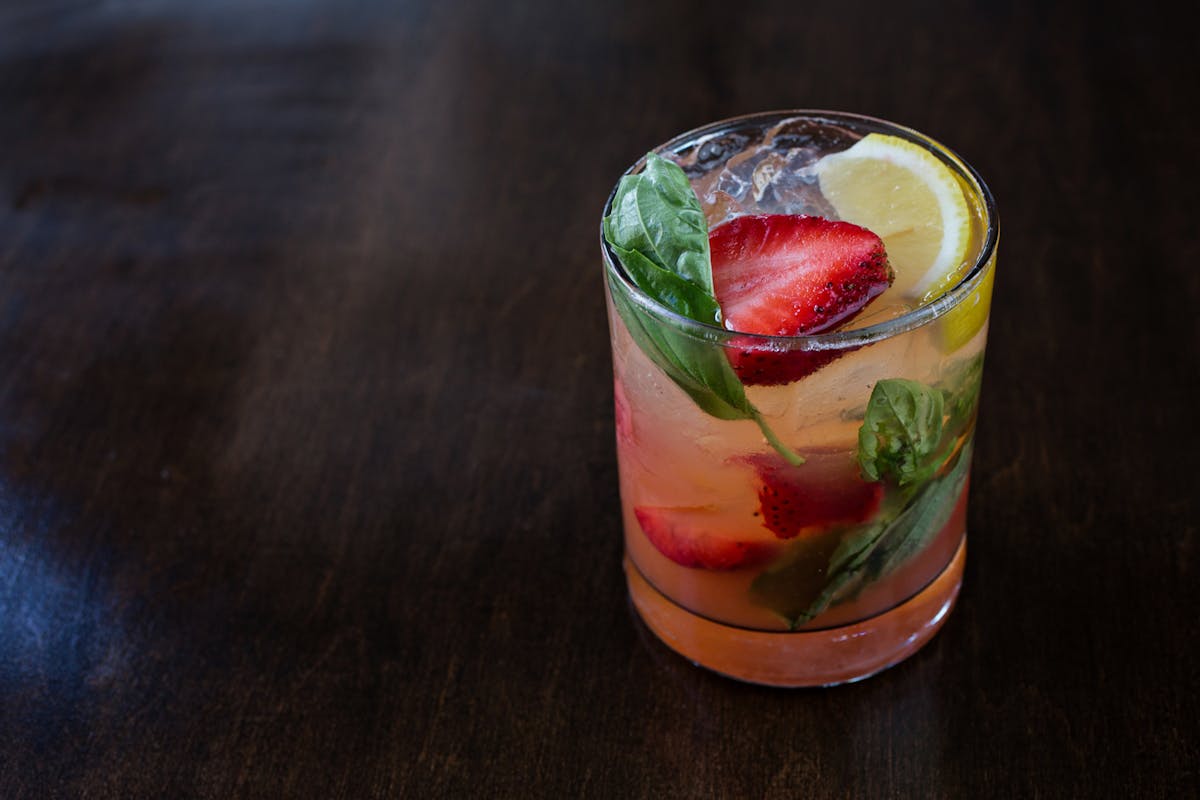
[{"x": 911, "y": 200}]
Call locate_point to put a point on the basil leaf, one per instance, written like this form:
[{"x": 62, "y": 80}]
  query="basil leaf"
[
  {"x": 799, "y": 584},
  {"x": 673, "y": 291},
  {"x": 930, "y": 511},
  {"x": 902, "y": 440},
  {"x": 699, "y": 368},
  {"x": 658, "y": 232},
  {"x": 656, "y": 213},
  {"x": 845, "y": 570},
  {"x": 862, "y": 554},
  {"x": 961, "y": 390},
  {"x": 901, "y": 430}
]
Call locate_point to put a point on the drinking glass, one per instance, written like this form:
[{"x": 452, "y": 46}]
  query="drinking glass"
[{"x": 873, "y": 561}]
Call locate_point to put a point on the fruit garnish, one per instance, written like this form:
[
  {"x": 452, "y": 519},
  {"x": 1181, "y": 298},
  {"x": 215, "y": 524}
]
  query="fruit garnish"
[
  {"x": 826, "y": 491},
  {"x": 912, "y": 199},
  {"x": 692, "y": 537},
  {"x": 916, "y": 203},
  {"x": 792, "y": 274}
]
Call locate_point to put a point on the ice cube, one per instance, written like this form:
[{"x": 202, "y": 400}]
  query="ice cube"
[
  {"x": 720, "y": 207},
  {"x": 714, "y": 152},
  {"x": 809, "y": 134}
]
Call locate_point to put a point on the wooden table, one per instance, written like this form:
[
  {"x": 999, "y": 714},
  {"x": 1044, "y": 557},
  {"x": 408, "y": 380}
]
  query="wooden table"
[{"x": 307, "y": 477}]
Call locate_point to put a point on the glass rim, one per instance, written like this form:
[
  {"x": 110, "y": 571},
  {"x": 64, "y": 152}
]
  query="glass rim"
[{"x": 839, "y": 339}]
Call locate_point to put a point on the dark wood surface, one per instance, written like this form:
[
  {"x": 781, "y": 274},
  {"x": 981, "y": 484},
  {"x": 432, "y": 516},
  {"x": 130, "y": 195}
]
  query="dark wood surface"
[{"x": 307, "y": 479}]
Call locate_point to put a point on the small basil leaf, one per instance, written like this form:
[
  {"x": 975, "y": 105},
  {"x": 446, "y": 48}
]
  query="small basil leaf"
[{"x": 901, "y": 430}]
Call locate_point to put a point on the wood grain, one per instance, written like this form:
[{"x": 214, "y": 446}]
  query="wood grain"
[{"x": 307, "y": 482}]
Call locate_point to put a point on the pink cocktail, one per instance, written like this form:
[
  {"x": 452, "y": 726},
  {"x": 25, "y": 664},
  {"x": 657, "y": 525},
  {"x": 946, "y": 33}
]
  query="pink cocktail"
[{"x": 798, "y": 306}]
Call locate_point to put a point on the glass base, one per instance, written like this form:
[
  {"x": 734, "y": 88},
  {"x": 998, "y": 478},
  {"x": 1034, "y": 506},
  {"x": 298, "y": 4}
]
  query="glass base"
[{"x": 802, "y": 658}]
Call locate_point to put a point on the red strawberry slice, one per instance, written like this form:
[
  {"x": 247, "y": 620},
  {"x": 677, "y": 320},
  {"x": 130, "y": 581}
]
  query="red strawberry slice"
[
  {"x": 826, "y": 490},
  {"x": 792, "y": 274},
  {"x": 689, "y": 537}
]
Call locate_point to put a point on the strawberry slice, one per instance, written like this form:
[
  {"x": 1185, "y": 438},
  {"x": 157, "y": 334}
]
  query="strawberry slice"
[
  {"x": 792, "y": 274},
  {"x": 826, "y": 490},
  {"x": 689, "y": 537}
]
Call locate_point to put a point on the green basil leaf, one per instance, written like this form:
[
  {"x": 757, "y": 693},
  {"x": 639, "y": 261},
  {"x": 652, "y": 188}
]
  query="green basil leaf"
[
  {"x": 961, "y": 389},
  {"x": 922, "y": 520},
  {"x": 800, "y": 583},
  {"x": 798, "y": 587},
  {"x": 673, "y": 291},
  {"x": 903, "y": 439},
  {"x": 657, "y": 230},
  {"x": 699, "y": 368},
  {"x": 656, "y": 213},
  {"x": 901, "y": 430}
]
